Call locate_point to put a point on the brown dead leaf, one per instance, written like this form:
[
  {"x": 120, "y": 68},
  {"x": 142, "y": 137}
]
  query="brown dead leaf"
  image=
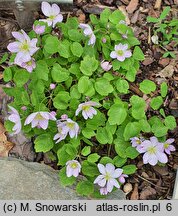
[
  {"x": 2, "y": 129},
  {"x": 1, "y": 76},
  {"x": 161, "y": 170},
  {"x": 134, "y": 195},
  {"x": 147, "y": 192},
  {"x": 167, "y": 72},
  {"x": 158, "y": 4},
  {"x": 5, "y": 146},
  {"x": 132, "y": 6}
]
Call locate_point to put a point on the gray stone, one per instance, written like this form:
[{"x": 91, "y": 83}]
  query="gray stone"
[{"x": 28, "y": 180}]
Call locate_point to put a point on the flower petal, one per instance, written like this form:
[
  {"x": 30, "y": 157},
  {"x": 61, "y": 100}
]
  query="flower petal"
[
  {"x": 102, "y": 169},
  {"x": 46, "y": 8},
  {"x": 113, "y": 54},
  {"x": 14, "y": 47},
  {"x": 30, "y": 118},
  {"x": 117, "y": 173},
  {"x": 58, "y": 19},
  {"x": 55, "y": 9}
]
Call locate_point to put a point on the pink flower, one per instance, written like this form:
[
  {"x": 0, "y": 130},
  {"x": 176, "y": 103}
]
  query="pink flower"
[
  {"x": 61, "y": 135},
  {"x": 52, "y": 86},
  {"x": 108, "y": 176},
  {"x": 104, "y": 40},
  {"x": 103, "y": 191},
  {"x": 106, "y": 66},
  {"x": 65, "y": 127},
  {"x": 137, "y": 142},
  {"x": 122, "y": 178},
  {"x": 24, "y": 108},
  {"x": 87, "y": 110},
  {"x": 153, "y": 152},
  {"x": 29, "y": 66},
  {"x": 53, "y": 113},
  {"x": 73, "y": 168},
  {"x": 121, "y": 52},
  {"x": 88, "y": 32},
  {"x": 38, "y": 29},
  {"x": 168, "y": 147},
  {"x": 24, "y": 47},
  {"x": 15, "y": 118},
  {"x": 52, "y": 12},
  {"x": 39, "y": 119}
]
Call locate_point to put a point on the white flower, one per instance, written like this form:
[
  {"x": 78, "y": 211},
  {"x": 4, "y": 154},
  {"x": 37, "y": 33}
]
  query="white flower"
[
  {"x": 24, "y": 47},
  {"x": 88, "y": 32},
  {"x": 62, "y": 133},
  {"x": 108, "y": 176},
  {"x": 154, "y": 39},
  {"x": 15, "y": 118},
  {"x": 52, "y": 12},
  {"x": 39, "y": 119},
  {"x": 73, "y": 168},
  {"x": 121, "y": 52},
  {"x": 87, "y": 110}
]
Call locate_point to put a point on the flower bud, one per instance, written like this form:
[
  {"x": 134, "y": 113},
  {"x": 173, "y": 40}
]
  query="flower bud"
[
  {"x": 38, "y": 29},
  {"x": 104, "y": 40},
  {"x": 24, "y": 108},
  {"x": 52, "y": 86},
  {"x": 106, "y": 66}
]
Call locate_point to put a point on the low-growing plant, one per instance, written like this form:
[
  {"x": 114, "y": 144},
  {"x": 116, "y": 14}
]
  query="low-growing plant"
[
  {"x": 165, "y": 31},
  {"x": 70, "y": 84}
]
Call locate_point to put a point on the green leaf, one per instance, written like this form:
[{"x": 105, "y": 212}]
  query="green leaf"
[
  {"x": 85, "y": 86},
  {"x": 74, "y": 35},
  {"x": 89, "y": 169},
  {"x": 119, "y": 161},
  {"x": 41, "y": 71},
  {"x": 156, "y": 102},
  {"x": 147, "y": 86},
  {"x": 93, "y": 157},
  {"x": 61, "y": 100},
  {"x": 86, "y": 150},
  {"x": 132, "y": 129},
  {"x": 103, "y": 86},
  {"x": 7, "y": 74},
  {"x": 158, "y": 128},
  {"x": 165, "y": 12},
  {"x": 88, "y": 65},
  {"x": 103, "y": 136},
  {"x": 170, "y": 122},
  {"x": 76, "y": 49},
  {"x": 104, "y": 16},
  {"x": 9, "y": 126},
  {"x": 4, "y": 58},
  {"x": 51, "y": 45},
  {"x": 144, "y": 125},
  {"x": 64, "y": 49},
  {"x": 120, "y": 146},
  {"x": 138, "y": 54},
  {"x": 44, "y": 143},
  {"x": 21, "y": 77},
  {"x": 59, "y": 74},
  {"x": 96, "y": 121},
  {"x": 138, "y": 107},
  {"x": 131, "y": 74},
  {"x": 105, "y": 160},
  {"x": 131, "y": 152},
  {"x": 152, "y": 19},
  {"x": 117, "y": 114},
  {"x": 85, "y": 188},
  {"x": 88, "y": 132},
  {"x": 116, "y": 16},
  {"x": 66, "y": 181},
  {"x": 122, "y": 86},
  {"x": 129, "y": 169},
  {"x": 164, "y": 89},
  {"x": 66, "y": 153}
]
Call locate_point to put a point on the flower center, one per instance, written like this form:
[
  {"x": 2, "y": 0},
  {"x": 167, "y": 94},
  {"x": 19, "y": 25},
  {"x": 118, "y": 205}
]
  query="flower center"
[
  {"x": 73, "y": 165},
  {"x": 24, "y": 47},
  {"x": 70, "y": 125},
  {"x": 107, "y": 176},
  {"x": 166, "y": 145},
  {"x": 86, "y": 108},
  {"x": 39, "y": 117},
  {"x": 120, "y": 52},
  {"x": 52, "y": 17},
  {"x": 29, "y": 63},
  {"x": 138, "y": 142},
  {"x": 152, "y": 150}
]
